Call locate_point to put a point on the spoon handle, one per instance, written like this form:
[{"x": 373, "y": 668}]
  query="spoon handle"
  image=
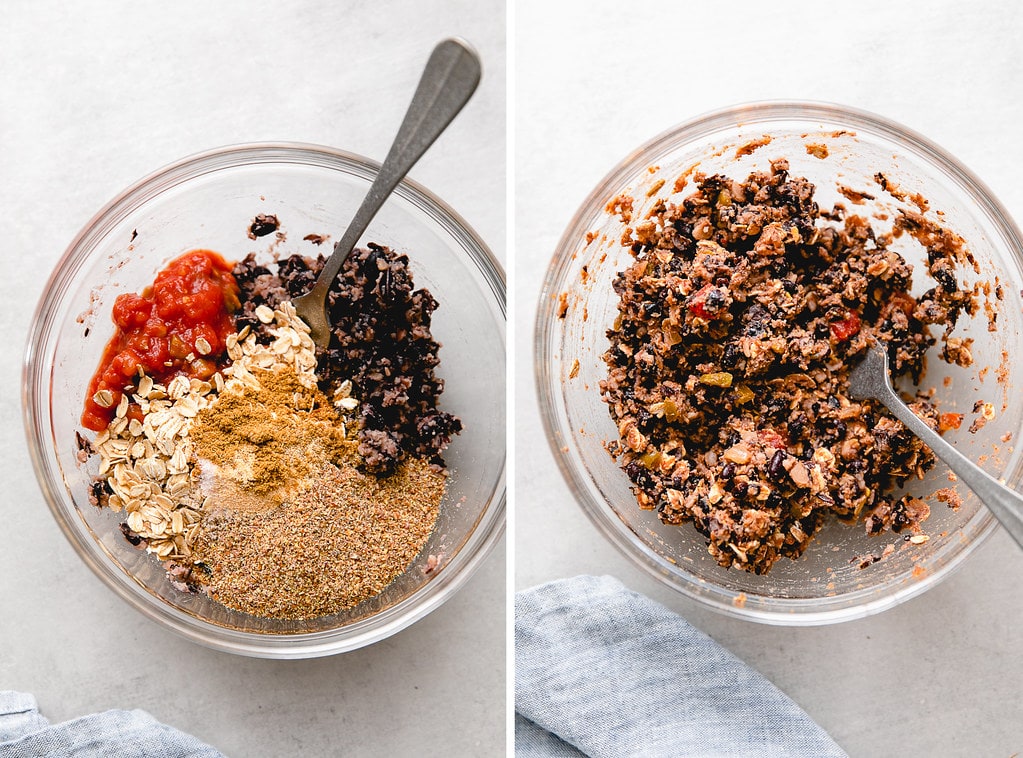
[
  {"x": 448, "y": 81},
  {"x": 1004, "y": 502}
]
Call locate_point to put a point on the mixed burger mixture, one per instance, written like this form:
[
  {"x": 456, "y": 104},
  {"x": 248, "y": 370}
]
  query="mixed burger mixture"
[{"x": 738, "y": 323}]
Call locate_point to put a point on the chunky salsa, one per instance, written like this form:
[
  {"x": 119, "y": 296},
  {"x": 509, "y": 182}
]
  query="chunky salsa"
[{"x": 178, "y": 326}]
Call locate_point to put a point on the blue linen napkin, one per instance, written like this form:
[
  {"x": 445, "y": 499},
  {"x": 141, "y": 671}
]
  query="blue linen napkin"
[
  {"x": 603, "y": 671},
  {"x": 126, "y": 734}
]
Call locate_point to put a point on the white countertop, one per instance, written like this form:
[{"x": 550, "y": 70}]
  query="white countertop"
[
  {"x": 938, "y": 675},
  {"x": 92, "y": 99}
]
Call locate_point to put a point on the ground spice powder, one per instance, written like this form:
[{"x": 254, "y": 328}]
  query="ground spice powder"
[{"x": 256, "y": 448}]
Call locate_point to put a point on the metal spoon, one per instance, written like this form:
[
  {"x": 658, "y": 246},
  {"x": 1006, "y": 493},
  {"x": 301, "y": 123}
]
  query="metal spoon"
[
  {"x": 871, "y": 379},
  {"x": 447, "y": 83}
]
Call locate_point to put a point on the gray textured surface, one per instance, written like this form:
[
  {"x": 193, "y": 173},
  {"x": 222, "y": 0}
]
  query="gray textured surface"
[
  {"x": 91, "y": 100},
  {"x": 940, "y": 674}
]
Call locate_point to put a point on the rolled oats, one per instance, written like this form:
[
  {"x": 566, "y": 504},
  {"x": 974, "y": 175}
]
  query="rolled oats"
[{"x": 146, "y": 463}]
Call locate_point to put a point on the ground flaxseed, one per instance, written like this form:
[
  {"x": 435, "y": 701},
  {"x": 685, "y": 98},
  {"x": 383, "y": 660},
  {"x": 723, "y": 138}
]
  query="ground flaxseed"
[{"x": 341, "y": 540}]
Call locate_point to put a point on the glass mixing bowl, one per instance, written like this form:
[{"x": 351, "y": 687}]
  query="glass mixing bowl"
[
  {"x": 578, "y": 305},
  {"x": 209, "y": 201}
]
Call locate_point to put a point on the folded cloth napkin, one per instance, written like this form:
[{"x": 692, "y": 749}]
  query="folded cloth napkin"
[
  {"x": 125, "y": 734},
  {"x": 603, "y": 671}
]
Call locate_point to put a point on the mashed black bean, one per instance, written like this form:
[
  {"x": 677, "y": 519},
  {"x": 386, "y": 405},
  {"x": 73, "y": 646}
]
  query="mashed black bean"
[
  {"x": 728, "y": 364},
  {"x": 381, "y": 342}
]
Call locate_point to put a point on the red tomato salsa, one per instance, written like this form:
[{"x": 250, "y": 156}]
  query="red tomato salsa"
[
  {"x": 705, "y": 302},
  {"x": 177, "y": 326},
  {"x": 846, "y": 328}
]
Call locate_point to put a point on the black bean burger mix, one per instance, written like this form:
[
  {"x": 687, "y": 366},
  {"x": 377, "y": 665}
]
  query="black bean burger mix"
[{"x": 739, "y": 321}]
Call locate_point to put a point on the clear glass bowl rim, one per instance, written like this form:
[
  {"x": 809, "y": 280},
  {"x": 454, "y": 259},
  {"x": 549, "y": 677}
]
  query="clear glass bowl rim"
[
  {"x": 36, "y": 413},
  {"x": 783, "y": 611}
]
